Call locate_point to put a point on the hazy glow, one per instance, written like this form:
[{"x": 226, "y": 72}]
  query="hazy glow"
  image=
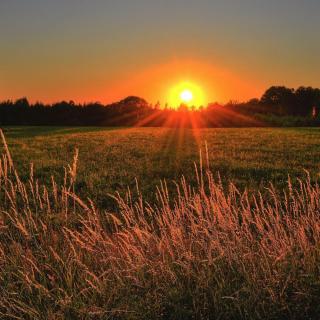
[
  {"x": 164, "y": 83},
  {"x": 188, "y": 93},
  {"x": 78, "y": 49}
]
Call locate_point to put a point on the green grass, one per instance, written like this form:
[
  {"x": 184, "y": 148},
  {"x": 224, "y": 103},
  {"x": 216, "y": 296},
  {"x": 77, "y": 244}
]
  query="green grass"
[
  {"x": 202, "y": 251},
  {"x": 112, "y": 158}
]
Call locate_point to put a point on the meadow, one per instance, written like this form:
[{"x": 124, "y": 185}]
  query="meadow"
[
  {"x": 142, "y": 225},
  {"x": 112, "y": 159}
]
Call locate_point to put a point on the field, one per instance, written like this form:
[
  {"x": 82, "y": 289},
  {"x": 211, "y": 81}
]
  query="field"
[
  {"x": 221, "y": 242},
  {"x": 111, "y": 159}
]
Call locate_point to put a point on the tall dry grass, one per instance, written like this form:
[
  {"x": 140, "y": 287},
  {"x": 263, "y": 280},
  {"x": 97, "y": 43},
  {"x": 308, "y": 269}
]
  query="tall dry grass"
[{"x": 204, "y": 253}]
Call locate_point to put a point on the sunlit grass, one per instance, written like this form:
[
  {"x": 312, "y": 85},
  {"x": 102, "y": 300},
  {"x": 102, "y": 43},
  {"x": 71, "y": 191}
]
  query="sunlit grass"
[
  {"x": 201, "y": 251},
  {"x": 111, "y": 160}
]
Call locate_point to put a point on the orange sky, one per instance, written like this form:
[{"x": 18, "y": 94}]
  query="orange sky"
[
  {"x": 156, "y": 82},
  {"x": 106, "y": 50}
]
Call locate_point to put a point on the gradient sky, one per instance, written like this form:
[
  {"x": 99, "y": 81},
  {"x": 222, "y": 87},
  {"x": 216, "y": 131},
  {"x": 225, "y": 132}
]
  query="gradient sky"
[{"x": 103, "y": 50}]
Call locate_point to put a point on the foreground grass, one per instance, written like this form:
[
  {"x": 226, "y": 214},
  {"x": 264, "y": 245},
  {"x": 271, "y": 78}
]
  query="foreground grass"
[
  {"x": 207, "y": 253},
  {"x": 111, "y": 159}
]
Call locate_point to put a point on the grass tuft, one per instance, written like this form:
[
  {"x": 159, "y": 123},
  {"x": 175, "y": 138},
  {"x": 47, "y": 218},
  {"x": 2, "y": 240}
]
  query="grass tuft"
[{"x": 205, "y": 252}]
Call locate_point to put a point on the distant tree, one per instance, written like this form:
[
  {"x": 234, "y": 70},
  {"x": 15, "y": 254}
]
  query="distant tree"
[
  {"x": 254, "y": 102},
  {"x": 280, "y": 98},
  {"x": 133, "y": 101},
  {"x": 232, "y": 103},
  {"x": 183, "y": 108},
  {"x": 157, "y": 106},
  {"x": 308, "y": 101},
  {"x": 133, "y": 110},
  {"x": 22, "y": 103}
]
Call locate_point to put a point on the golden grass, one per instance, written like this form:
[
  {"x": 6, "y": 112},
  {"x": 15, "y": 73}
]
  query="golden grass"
[{"x": 204, "y": 253}]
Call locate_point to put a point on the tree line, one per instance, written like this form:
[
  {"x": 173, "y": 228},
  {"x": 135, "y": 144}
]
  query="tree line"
[{"x": 278, "y": 104}]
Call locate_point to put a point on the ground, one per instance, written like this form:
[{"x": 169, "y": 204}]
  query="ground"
[
  {"x": 213, "y": 253},
  {"x": 110, "y": 159}
]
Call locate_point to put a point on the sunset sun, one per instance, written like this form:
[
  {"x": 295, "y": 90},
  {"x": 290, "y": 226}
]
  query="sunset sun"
[
  {"x": 186, "y": 96},
  {"x": 187, "y": 93}
]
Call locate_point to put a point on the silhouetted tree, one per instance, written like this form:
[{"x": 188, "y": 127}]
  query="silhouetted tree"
[
  {"x": 22, "y": 103},
  {"x": 304, "y": 102},
  {"x": 280, "y": 98},
  {"x": 308, "y": 101}
]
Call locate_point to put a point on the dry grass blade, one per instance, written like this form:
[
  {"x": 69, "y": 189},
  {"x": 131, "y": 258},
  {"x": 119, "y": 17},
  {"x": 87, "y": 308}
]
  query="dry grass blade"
[{"x": 204, "y": 252}]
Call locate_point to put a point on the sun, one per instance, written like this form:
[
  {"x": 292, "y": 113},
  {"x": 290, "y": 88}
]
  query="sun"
[
  {"x": 187, "y": 93},
  {"x": 186, "y": 96}
]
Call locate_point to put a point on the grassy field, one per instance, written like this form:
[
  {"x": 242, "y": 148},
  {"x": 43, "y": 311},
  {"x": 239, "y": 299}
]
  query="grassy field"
[
  {"x": 111, "y": 159},
  {"x": 207, "y": 250}
]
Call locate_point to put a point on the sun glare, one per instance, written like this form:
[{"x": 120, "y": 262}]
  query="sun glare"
[
  {"x": 186, "y": 93},
  {"x": 186, "y": 96}
]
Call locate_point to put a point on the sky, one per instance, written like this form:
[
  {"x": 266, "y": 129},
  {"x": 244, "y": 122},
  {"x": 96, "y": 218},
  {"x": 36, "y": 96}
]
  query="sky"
[{"x": 103, "y": 50}]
